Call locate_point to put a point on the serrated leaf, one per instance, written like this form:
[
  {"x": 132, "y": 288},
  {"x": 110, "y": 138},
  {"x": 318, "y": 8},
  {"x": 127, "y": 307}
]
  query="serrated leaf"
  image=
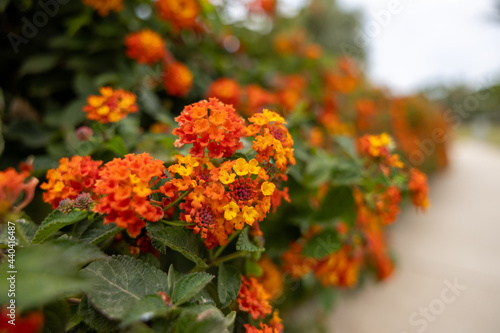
[
  {"x": 55, "y": 221},
  {"x": 96, "y": 320},
  {"x": 188, "y": 286},
  {"x": 147, "y": 308},
  {"x": 244, "y": 243},
  {"x": 338, "y": 200},
  {"x": 228, "y": 284},
  {"x": 98, "y": 232},
  {"x": 47, "y": 272},
  {"x": 120, "y": 283},
  {"x": 252, "y": 267},
  {"x": 178, "y": 239},
  {"x": 322, "y": 244}
]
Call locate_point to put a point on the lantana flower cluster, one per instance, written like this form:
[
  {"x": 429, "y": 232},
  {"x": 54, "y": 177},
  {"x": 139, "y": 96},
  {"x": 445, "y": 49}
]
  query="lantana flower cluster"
[{"x": 111, "y": 105}]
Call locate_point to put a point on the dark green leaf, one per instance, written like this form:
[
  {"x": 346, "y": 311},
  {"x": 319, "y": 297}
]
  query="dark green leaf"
[
  {"x": 188, "y": 286},
  {"x": 178, "y": 239},
  {"x": 147, "y": 308},
  {"x": 55, "y": 221},
  {"x": 98, "y": 232},
  {"x": 244, "y": 243},
  {"x": 121, "y": 282},
  {"x": 338, "y": 200},
  {"x": 228, "y": 284},
  {"x": 322, "y": 244},
  {"x": 204, "y": 319},
  {"x": 39, "y": 64},
  {"x": 95, "y": 319},
  {"x": 116, "y": 145}
]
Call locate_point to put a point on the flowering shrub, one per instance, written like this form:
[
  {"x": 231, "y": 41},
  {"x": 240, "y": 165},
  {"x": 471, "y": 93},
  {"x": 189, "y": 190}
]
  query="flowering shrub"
[{"x": 202, "y": 178}]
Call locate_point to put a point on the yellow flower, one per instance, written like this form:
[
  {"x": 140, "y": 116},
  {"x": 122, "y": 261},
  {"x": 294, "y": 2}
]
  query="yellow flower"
[
  {"x": 241, "y": 167},
  {"x": 226, "y": 177},
  {"x": 250, "y": 214},
  {"x": 231, "y": 210},
  {"x": 267, "y": 188},
  {"x": 253, "y": 167}
]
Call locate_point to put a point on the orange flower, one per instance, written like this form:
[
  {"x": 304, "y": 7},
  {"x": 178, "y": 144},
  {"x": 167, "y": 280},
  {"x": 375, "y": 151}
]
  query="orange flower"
[
  {"x": 271, "y": 278},
  {"x": 72, "y": 177},
  {"x": 294, "y": 263},
  {"x": 12, "y": 185},
  {"x": 418, "y": 189},
  {"x": 267, "y": 6},
  {"x": 388, "y": 204},
  {"x": 177, "y": 79},
  {"x": 145, "y": 46},
  {"x": 313, "y": 51},
  {"x": 103, "y": 7},
  {"x": 159, "y": 128},
  {"x": 272, "y": 139},
  {"x": 226, "y": 90},
  {"x": 212, "y": 125},
  {"x": 222, "y": 199},
  {"x": 378, "y": 148},
  {"x": 263, "y": 329},
  {"x": 111, "y": 106},
  {"x": 339, "y": 268},
  {"x": 181, "y": 13},
  {"x": 253, "y": 298},
  {"x": 275, "y": 322},
  {"x": 377, "y": 250},
  {"x": 256, "y": 99},
  {"x": 125, "y": 186}
]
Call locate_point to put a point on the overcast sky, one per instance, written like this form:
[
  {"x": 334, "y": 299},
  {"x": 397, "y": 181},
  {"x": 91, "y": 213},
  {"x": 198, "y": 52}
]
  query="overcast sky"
[{"x": 429, "y": 42}]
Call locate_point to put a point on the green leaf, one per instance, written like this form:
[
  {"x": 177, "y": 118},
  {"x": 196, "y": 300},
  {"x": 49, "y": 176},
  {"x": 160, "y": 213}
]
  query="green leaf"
[
  {"x": 244, "y": 243},
  {"x": 228, "y": 284},
  {"x": 47, "y": 272},
  {"x": 188, "y": 286},
  {"x": 38, "y": 64},
  {"x": 98, "y": 232},
  {"x": 116, "y": 145},
  {"x": 322, "y": 244},
  {"x": 338, "y": 200},
  {"x": 55, "y": 221},
  {"x": 347, "y": 144},
  {"x": 96, "y": 320},
  {"x": 252, "y": 267},
  {"x": 346, "y": 172},
  {"x": 178, "y": 239},
  {"x": 147, "y": 308},
  {"x": 120, "y": 283},
  {"x": 204, "y": 319}
]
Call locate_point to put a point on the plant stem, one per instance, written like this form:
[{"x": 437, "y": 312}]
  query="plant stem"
[
  {"x": 176, "y": 223},
  {"x": 228, "y": 257},
  {"x": 229, "y": 240},
  {"x": 177, "y": 200}
]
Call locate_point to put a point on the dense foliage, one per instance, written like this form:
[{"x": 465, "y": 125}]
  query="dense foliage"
[{"x": 180, "y": 169}]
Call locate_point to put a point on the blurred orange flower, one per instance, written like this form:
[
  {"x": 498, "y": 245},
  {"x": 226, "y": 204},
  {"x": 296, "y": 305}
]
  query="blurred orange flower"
[
  {"x": 177, "y": 79},
  {"x": 181, "y": 13},
  {"x": 111, "y": 106},
  {"x": 226, "y": 90},
  {"x": 253, "y": 298},
  {"x": 145, "y": 46},
  {"x": 103, "y": 7},
  {"x": 12, "y": 185}
]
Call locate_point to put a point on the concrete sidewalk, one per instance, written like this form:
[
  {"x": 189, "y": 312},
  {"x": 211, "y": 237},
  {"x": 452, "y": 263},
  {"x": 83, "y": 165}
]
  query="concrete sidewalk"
[{"x": 448, "y": 276}]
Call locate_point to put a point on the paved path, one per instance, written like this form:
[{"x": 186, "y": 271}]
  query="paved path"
[{"x": 457, "y": 243}]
